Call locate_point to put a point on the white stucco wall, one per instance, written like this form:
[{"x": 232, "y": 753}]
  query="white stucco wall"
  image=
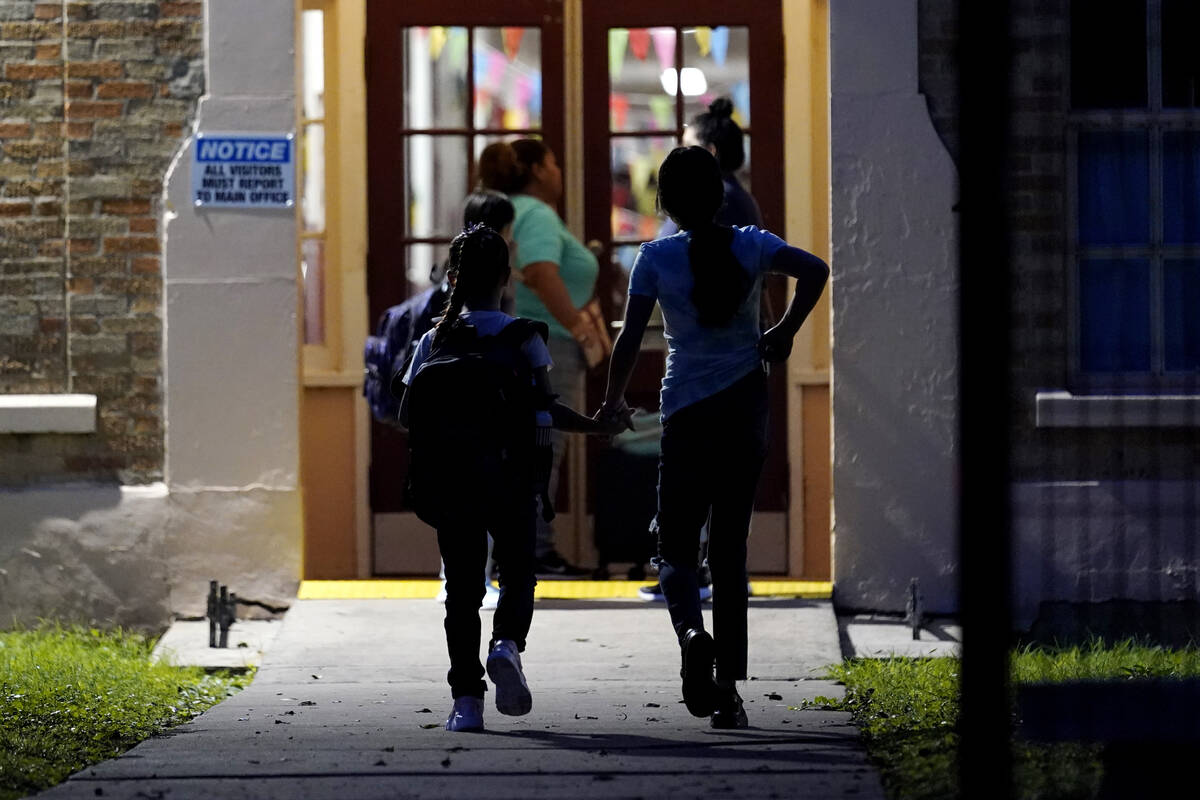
[
  {"x": 230, "y": 506},
  {"x": 232, "y": 368},
  {"x": 894, "y": 318}
]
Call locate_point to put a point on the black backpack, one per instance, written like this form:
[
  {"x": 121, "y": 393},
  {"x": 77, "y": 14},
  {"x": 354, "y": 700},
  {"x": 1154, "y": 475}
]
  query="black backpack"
[
  {"x": 387, "y": 353},
  {"x": 472, "y": 420}
]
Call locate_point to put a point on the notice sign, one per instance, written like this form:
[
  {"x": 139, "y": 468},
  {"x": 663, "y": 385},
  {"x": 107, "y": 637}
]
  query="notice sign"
[{"x": 244, "y": 170}]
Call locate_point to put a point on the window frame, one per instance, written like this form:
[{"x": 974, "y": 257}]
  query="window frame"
[
  {"x": 468, "y": 133},
  {"x": 1155, "y": 120},
  {"x": 324, "y": 358}
]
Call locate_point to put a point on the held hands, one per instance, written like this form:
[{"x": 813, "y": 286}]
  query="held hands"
[
  {"x": 775, "y": 345},
  {"x": 613, "y": 420}
]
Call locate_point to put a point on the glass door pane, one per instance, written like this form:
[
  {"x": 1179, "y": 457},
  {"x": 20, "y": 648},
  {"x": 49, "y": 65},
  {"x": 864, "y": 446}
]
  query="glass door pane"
[
  {"x": 507, "y": 73},
  {"x": 435, "y": 77},
  {"x": 641, "y": 71}
]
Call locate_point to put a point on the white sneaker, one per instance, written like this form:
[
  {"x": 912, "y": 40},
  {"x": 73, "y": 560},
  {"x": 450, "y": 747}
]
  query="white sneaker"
[
  {"x": 440, "y": 597},
  {"x": 467, "y": 715},
  {"x": 491, "y": 595},
  {"x": 504, "y": 668}
]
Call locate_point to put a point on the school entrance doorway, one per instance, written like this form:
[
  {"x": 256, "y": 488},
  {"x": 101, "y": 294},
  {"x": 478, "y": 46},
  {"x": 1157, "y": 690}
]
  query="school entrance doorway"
[{"x": 610, "y": 87}]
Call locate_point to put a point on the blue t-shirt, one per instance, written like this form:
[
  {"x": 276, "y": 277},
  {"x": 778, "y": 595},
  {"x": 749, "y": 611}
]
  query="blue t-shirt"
[
  {"x": 487, "y": 323},
  {"x": 702, "y": 361}
]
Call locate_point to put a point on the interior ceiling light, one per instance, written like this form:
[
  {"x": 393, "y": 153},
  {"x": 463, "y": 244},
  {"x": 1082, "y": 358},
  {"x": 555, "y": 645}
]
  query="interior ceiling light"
[{"x": 694, "y": 82}]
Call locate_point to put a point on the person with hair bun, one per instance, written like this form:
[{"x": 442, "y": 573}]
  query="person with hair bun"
[
  {"x": 556, "y": 284},
  {"x": 716, "y": 132},
  {"x": 708, "y": 281}
]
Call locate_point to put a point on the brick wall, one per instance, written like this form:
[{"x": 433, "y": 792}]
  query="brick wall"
[
  {"x": 937, "y": 31},
  {"x": 92, "y": 107}
]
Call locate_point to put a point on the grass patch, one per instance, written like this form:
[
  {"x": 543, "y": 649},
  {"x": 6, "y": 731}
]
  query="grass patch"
[
  {"x": 907, "y": 710},
  {"x": 70, "y": 697}
]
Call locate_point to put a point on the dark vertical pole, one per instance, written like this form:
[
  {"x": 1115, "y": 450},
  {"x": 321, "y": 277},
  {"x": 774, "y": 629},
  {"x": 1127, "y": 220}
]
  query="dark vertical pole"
[{"x": 985, "y": 757}]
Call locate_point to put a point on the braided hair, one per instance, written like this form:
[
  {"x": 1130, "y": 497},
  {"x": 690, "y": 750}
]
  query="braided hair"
[{"x": 478, "y": 264}]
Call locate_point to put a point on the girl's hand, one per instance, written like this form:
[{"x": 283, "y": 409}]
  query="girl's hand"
[
  {"x": 615, "y": 420},
  {"x": 775, "y": 345}
]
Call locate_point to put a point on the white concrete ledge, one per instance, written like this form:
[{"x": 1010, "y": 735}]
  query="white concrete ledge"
[
  {"x": 1065, "y": 410},
  {"x": 47, "y": 413}
]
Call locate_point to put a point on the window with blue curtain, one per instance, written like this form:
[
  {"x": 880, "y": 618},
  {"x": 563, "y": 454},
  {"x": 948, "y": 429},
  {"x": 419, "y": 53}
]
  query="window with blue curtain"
[{"x": 1135, "y": 120}]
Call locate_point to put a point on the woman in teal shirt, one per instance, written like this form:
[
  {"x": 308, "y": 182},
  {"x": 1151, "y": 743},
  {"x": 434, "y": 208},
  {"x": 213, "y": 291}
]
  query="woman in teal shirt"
[{"x": 556, "y": 278}]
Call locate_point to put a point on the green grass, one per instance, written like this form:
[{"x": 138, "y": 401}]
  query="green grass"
[
  {"x": 907, "y": 710},
  {"x": 70, "y": 697}
]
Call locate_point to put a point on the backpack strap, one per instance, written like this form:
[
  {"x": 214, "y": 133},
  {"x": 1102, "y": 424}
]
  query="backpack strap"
[{"x": 517, "y": 332}]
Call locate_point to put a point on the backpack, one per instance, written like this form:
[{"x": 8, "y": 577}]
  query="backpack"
[
  {"x": 472, "y": 419},
  {"x": 388, "y": 352}
]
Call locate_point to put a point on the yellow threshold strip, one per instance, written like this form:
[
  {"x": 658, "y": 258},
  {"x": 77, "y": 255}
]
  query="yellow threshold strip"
[{"x": 546, "y": 589}]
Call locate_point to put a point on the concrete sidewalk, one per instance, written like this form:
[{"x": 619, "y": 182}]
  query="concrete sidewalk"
[{"x": 351, "y": 697}]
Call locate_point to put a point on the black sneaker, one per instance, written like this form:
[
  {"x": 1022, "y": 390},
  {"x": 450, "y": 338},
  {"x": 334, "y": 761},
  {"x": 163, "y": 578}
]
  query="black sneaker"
[
  {"x": 553, "y": 565},
  {"x": 729, "y": 712},
  {"x": 699, "y": 689}
]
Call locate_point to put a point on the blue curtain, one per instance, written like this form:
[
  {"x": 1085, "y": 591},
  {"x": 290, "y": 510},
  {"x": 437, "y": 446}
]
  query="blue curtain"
[
  {"x": 1181, "y": 315},
  {"x": 1114, "y": 188},
  {"x": 1114, "y": 315}
]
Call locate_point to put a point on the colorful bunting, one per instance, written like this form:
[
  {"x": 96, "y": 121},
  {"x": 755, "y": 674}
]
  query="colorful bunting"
[
  {"x": 522, "y": 91},
  {"x": 437, "y": 40},
  {"x": 663, "y": 109},
  {"x": 704, "y": 39},
  {"x": 535, "y": 96},
  {"x": 720, "y": 44},
  {"x": 618, "y": 106},
  {"x": 456, "y": 49},
  {"x": 512, "y": 41},
  {"x": 495, "y": 69},
  {"x": 639, "y": 43},
  {"x": 640, "y": 168},
  {"x": 664, "y": 46},
  {"x": 741, "y": 101},
  {"x": 618, "y": 38}
]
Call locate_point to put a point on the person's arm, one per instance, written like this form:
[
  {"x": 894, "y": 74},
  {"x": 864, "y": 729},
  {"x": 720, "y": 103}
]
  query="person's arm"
[
  {"x": 811, "y": 274},
  {"x": 565, "y": 418},
  {"x": 625, "y": 353},
  {"x": 542, "y": 277}
]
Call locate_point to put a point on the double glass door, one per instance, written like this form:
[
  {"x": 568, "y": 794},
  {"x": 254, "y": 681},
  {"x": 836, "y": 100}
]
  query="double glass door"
[{"x": 447, "y": 77}]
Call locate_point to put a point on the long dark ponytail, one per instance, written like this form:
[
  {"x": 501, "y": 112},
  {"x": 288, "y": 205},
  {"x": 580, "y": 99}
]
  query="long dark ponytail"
[
  {"x": 690, "y": 189},
  {"x": 478, "y": 264}
]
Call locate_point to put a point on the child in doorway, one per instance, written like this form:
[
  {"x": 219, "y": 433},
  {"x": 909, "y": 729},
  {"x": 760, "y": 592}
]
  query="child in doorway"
[{"x": 486, "y": 488}]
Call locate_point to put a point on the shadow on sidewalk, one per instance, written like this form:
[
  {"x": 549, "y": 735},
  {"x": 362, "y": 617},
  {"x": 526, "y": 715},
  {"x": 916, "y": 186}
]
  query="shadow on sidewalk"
[{"x": 746, "y": 745}]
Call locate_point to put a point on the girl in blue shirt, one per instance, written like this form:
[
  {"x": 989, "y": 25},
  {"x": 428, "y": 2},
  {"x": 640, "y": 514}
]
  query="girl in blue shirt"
[{"x": 708, "y": 280}]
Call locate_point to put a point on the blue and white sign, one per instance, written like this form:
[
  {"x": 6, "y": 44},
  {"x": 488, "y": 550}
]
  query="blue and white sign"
[{"x": 244, "y": 170}]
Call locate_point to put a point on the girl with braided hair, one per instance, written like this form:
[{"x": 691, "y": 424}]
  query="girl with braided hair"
[{"x": 487, "y": 492}]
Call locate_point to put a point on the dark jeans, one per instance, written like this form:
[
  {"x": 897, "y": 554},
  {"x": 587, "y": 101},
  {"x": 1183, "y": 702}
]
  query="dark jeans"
[
  {"x": 712, "y": 456},
  {"x": 507, "y": 512}
]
